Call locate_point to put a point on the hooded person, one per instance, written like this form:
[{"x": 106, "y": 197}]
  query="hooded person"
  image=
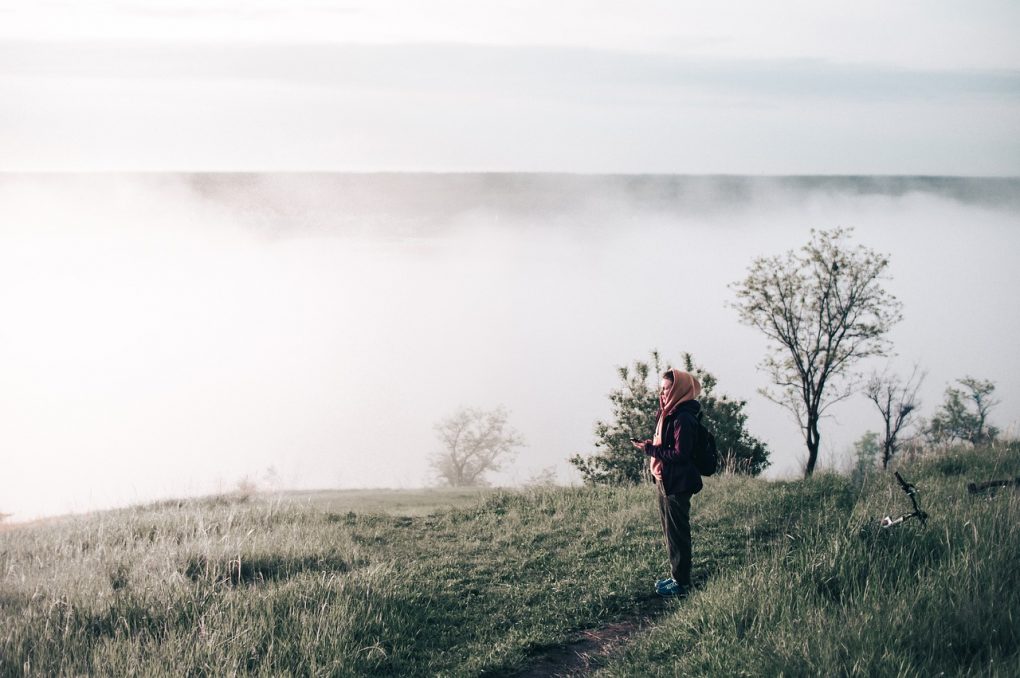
[{"x": 676, "y": 478}]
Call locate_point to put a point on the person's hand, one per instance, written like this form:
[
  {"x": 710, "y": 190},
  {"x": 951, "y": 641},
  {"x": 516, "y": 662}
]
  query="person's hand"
[
  {"x": 655, "y": 465},
  {"x": 638, "y": 444}
]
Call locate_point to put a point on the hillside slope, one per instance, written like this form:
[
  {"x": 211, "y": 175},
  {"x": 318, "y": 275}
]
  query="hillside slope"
[
  {"x": 788, "y": 582},
  {"x": 839, "y": 596}
]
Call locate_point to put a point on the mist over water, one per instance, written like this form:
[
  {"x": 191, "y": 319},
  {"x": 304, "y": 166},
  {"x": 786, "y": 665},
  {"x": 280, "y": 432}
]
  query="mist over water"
[{"x": 165, "y": 335}]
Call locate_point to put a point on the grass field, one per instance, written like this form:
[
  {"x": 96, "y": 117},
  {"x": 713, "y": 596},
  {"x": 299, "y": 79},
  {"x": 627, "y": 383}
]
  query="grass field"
[
  {"x": 792, "y": 580},
  {"x": 418, "y": 502}
]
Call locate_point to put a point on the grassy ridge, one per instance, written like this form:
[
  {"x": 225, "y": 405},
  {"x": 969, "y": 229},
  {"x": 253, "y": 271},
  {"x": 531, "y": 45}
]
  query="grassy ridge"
[
  {"x": 269, "y": 589},
  {"x": 838, "y": 597},
  {"x": 788, "y": 583}
]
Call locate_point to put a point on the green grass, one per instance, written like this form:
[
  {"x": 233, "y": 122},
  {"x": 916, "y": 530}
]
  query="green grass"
[
  {"x": 790, "y": 581},
  {"x": 417, "y": 502},
  {"x": 836, "y": 596}
]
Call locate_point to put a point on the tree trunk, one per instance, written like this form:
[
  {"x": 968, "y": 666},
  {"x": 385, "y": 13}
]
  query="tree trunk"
[
  {"x": 813, "y": 440},
  {"x": 887, "y": 444}
]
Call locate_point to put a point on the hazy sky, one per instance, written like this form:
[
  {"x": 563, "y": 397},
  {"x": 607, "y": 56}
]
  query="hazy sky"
[
  {"x": 169, "y": 334},
  {"x": 859, "y": 87}
]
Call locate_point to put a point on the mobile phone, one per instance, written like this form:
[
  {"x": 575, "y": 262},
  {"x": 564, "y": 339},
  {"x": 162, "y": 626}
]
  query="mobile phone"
[{"x": 635, "y": 440}]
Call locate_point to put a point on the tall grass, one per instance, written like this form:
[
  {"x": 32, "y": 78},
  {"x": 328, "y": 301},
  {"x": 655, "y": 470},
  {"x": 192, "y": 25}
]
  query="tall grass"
[
  {"x": 791, "y": 580},
  {"x": 839, "y": 596},
  {"x": 221, "y": 588}
]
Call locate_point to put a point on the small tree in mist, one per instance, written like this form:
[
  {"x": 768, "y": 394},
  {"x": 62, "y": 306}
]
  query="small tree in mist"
[
  {"x": 545, "y": 477},
  {"x": 246, "y": 488},
  {"x": 271, "y": 478},
  {"x": 635, "y": 408},
  {"x": 474, "y": 442},
  {"x": 823, "y": 309},
  {"x": 897, "y": 402},
  {"x": 963, "y": 415},
  {"x": 865, "y": 458}
]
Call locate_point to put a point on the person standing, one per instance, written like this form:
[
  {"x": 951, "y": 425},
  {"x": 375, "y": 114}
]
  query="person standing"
[{"x": 676, "y": 477}]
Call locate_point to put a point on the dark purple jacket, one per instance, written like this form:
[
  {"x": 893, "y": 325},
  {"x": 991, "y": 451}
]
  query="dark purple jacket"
[{"x": 679, "y": 475}]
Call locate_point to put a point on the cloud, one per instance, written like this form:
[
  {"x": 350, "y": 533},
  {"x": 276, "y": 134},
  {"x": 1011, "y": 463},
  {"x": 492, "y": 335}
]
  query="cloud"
[{"x": 556, "y": 73}]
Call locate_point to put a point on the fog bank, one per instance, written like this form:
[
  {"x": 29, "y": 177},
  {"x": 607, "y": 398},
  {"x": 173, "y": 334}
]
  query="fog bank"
[{"x": 168, "y": 334}]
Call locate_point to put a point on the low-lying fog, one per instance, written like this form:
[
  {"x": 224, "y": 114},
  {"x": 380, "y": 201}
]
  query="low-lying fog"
[{"x": 163, "y": 335}]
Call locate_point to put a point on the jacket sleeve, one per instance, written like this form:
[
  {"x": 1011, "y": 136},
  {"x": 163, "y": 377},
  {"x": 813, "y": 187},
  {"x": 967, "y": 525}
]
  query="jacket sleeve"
[{"x": 678, "y": 448}]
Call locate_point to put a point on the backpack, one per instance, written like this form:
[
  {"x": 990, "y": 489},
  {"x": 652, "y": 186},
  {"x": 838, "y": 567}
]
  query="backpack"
[{"x": 706, "y": 456}]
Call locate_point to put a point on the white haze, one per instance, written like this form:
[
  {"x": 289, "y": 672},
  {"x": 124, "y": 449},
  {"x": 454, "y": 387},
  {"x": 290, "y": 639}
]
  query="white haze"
[{"x": 167, "y": 335}]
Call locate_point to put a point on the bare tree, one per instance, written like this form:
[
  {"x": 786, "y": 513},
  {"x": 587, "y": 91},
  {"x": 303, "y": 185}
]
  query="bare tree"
[
  {"x": 897, "y": 401},
  {"x": 474, "y": 442},
  {"x": 823, "y": 309}
]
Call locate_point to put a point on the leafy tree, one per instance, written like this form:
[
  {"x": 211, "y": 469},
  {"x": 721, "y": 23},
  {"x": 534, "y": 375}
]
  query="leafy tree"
[
  {"x": 823, "y": 309},
  {"x": 897, "y": 402},
  {"x": 964, "y": 414},
  {"x": 635, "y": 404},
  {"x": 725, "y": 417},
  {"x": 474, "y": 442}
]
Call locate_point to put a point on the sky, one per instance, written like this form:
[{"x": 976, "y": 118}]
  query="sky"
[
  {"x": 863, "y": 87},
  {"x": 168, "y": 331}
]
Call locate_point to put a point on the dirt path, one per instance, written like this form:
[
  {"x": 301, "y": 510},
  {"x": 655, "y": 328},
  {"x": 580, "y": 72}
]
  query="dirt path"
[{"x": 586, "y": 652}]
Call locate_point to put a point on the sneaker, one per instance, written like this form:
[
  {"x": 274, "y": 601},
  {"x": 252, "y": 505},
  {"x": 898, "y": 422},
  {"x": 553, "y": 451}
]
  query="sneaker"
[
  {"x": 673, "y": 590},
  {"x": 662, "y": 582}
]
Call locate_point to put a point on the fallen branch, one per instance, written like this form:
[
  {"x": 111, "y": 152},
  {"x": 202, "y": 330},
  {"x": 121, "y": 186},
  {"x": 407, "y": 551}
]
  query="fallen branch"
[{"x": 975, "y": 488}]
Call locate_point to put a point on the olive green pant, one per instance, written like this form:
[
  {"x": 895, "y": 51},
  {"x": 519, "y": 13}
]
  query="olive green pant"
[{"x": 675, "y": 510}]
